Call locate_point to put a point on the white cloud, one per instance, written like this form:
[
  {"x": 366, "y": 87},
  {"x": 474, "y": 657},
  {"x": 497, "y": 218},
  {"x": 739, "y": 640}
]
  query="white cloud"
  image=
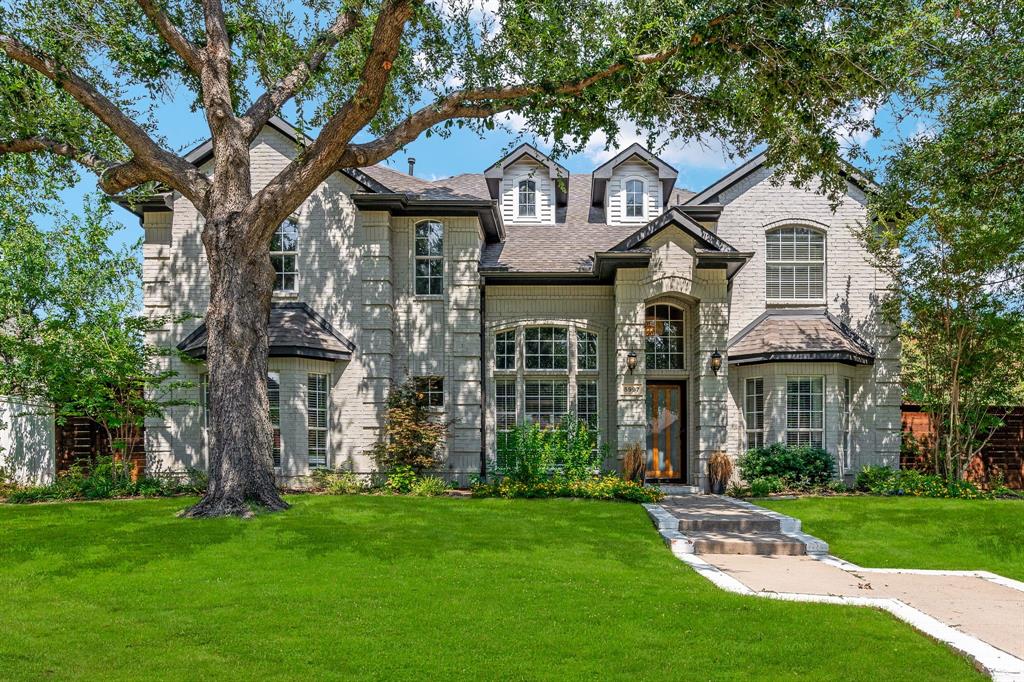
[
  {"x": 709, "y": 152},
  {"x": 857, "y": 133}
]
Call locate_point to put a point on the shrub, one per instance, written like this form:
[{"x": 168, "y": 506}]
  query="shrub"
[
  {"x": 337, "y": 482},
  {"x": 719, "y": 469},
  {"x": 607, "y": 487},
  {"x": 879, "y": 480},
  {"x": 430, "y": 486},
  {"x": 634, "y": 465},
  {"x": 401, "y": 479},
  {"x": 796, "y": 466},
  {"x": 108, "y": 478},
  {"x": 531, "y": 454},
  {"x": 766, "y": 485},
  {"x": 524, "y": 458},
  {"x": 411, "y": 436},
  {"x": 571, "y": 449},
  {"x": 873, "y": 478}
]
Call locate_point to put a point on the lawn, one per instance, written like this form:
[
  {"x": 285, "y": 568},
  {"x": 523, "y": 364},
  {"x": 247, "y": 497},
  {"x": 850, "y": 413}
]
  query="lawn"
[
  {"x": 914, "y": 532},
  {"x": 389, "y": 587}
]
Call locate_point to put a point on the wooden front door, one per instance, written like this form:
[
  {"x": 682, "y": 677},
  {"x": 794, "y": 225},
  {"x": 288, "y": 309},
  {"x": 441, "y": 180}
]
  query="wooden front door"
[{"x": 666, "y": 431}]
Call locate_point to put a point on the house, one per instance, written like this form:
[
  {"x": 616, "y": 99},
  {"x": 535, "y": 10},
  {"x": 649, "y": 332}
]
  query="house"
[{"x": 745, "y": 314}]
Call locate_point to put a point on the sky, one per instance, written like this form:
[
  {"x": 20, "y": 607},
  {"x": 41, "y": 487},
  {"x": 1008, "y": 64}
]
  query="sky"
[{"x": 699, "y": 162}]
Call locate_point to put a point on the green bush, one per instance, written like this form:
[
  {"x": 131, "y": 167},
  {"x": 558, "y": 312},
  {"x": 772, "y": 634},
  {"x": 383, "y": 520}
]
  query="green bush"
[
  {"x": 766, "y": 485},
  {"x": 401, "y": 479},
  {"x": 337, "y": 482},
  {"x": 430, "y": 486},
  {"x": 530, "y": 454},
  {"x": 880, "y": 480},
  {"x": 606, "y": 487},
  {"x": 524, "y": 457},
  {"x": 798, "y": 467}
]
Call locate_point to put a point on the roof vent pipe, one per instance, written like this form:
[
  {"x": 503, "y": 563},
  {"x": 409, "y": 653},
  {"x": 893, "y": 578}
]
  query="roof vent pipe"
[{"x": 412, "y": 164}]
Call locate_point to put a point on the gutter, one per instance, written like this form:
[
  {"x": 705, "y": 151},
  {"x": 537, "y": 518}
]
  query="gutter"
[{"x": 414, "y": 205}]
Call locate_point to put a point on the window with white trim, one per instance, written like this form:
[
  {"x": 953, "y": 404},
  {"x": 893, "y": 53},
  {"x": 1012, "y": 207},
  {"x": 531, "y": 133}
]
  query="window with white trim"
[
  {"x": 274, "y": 397},
  {"x": 634, "y": 200},
  {"x": 527, "y": 199},
  {"x": 504, "y": 414},
  {"x": 546, "y": 401},
  {"x": 429, "y": 258},
  {"x": 430, "y": 391},
  {"x": 284, "y": 246},
  {"x": 587, "y": 405},
  {"x": 795, "y": 264},
  {"x": 805, "y": 410},
  {"x": 546, "y": 348},
  {"x": 663, "y": 335},
  {"x": 586, "y": 350},
  {"x": 846, "y": 412},
  {"x": 754, "y": 412},
  {"x": 316, "y": 418},
  {"x": 505, "y": 350}
]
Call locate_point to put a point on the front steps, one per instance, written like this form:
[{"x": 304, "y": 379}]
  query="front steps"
[{"x": 710, "y": 524}]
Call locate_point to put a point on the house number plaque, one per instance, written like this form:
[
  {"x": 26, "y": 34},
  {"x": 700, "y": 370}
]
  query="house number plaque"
[{"x": 632, "y": 389}]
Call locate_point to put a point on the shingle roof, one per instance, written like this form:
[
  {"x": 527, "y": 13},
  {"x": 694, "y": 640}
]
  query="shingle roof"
[
  {"x": 569, "y": 245},
  {"x": 796, "y": 335},
  {"x": 295, "y": 330}
]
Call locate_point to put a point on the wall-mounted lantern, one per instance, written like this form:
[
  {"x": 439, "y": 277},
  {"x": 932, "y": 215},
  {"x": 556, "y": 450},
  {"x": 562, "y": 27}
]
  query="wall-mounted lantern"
[
  {"x": 716, "y": 361},
  {"x": 631, "y": 361}
]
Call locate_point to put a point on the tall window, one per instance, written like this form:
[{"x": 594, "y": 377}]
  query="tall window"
[
  {"x": 547, "y": 401},
  {"x": 634, "y": 198},
  {"x": 505, "y": 350},
  {"x": 316, "y": 418},
  {"x": 430, "y": 391},
  {"x": 663, "y": 331},
  {"x": 547, "y": 348},
  {"x": 847, "y": 416},
  {"x": 795, "y": 264},
  {"x": 274, "y": 395},
  {"x": 586, "y": 405},
  {"x": 429, "y": 258},
  {"x": 504, "y": 414},
  {"x": 586, "y": 350},
  {"x": 527, "y": 199},
  {"x": 283, "y": 253},
  {"x": 805, "y": 411},
  {"x": 754, "y": 412}
]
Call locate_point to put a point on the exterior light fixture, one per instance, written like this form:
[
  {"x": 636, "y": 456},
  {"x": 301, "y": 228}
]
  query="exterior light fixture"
[
  {"x": 631, "y": 361},
  {"x": 716, "y": 361}
]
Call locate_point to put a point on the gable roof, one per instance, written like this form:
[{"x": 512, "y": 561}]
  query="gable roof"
[
  {"x": 295, "y": 330},
  {"x": 603, "y": 173},
  {"x": 496, "y": 171},
  {"x": 798, "y": 336}
]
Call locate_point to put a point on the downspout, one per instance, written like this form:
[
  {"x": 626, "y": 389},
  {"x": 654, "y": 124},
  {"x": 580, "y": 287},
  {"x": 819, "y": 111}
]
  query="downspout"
[{"x": 483, "y": 381}]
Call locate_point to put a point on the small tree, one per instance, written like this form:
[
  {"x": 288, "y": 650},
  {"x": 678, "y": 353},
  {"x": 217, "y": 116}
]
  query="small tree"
[{"x": 411, "y": 436}]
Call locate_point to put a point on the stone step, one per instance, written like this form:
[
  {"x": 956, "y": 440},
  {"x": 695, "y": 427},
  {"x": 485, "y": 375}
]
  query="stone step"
[
  {"x": 705, "y": 542},
  {"x": 716, "y": 524},
  {"x": 678, "y": 489}
]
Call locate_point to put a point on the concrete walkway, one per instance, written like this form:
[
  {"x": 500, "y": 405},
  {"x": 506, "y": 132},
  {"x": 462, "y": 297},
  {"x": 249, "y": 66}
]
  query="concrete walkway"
[{"x": 977, "y": 613}]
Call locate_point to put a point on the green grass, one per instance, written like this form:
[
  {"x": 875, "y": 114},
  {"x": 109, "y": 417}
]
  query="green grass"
[
  {"x": 389, "y": 587},
  {"x": 915, "y": 532}
]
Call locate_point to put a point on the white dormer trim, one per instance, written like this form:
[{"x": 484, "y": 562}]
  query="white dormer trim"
[
  {"x": 517, "y": 196},
  {"x": 644, "y": 199}
]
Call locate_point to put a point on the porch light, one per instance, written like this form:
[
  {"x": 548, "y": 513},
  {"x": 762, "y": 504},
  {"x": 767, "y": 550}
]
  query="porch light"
[
  {"x": 631, "y": 361},
  {"x": 716, "y": 361}
]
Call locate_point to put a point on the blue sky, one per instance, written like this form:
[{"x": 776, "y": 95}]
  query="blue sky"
[{"x": 699, "y": 162}]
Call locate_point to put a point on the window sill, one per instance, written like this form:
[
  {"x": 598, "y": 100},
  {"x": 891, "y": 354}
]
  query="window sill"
[
  {"x": 429, "y": 297},
  {"x": 795, "y": 301},
  {"x": 285, "y": 295}
]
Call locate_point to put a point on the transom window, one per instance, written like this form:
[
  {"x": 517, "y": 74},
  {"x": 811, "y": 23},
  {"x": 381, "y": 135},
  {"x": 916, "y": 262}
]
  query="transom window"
[
  {"x": 547, "y": 401},
  {"x": 663, "y": 332},
  {"x": 505, "y": 350},
  {"x": 274, "y": 396},
  {"x": 316, "y": 415},
  {"x": 586, "y": 350},
  {"x": 430, "y": 391},
  {"x": 795, "y": 264},
  {"x": 634, "y": 198},
  {"x": 429, "y": 258},
  {"x": 284, "y": 247},
  {"x": 805, "y": 411},
  {"x": 546, "y": 348},
  {"x": 527, "y": 199},
  {"x": 754, "y": 412}
]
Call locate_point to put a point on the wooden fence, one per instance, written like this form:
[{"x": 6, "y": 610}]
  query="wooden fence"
[{"x": 1003, "y": 454}]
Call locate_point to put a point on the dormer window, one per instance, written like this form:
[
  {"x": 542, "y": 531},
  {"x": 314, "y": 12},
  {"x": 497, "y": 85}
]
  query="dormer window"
[
  {"x": 635, "y": 198},
  {"x": 527, "y": 199}
]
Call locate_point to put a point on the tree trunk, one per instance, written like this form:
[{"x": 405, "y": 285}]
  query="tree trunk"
[{"x": 241, "y": 284}]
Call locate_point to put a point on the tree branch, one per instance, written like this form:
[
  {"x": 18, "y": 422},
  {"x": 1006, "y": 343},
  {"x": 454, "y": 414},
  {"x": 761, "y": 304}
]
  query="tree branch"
[
  {"x": 273, "y": 99},
  {"x": 114, "y": 177},
  {"x": 174, "y": 37},
  {"x": 159, "y": 164}
]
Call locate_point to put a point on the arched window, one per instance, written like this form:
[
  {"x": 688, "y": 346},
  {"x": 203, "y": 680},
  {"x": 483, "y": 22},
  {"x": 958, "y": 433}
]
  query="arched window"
[
  {"x": 663, "y": 331},
  {"x": 795, "y": 264},
  {"x": 635, "y": 198},
  {"x": 527, "y": 199},
  {"x": 429, "y": 258}
]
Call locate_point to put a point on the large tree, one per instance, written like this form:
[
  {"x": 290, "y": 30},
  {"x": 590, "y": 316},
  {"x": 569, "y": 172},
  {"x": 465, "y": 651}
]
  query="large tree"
[{"x": 79, "y": 78}]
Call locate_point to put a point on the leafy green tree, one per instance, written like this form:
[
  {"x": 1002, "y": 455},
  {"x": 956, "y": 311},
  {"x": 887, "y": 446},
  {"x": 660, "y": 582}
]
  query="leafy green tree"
[
  {"x": 79, "y": 81},
  {"x": 71, "y": 338},
  {"x": 951, "y": 227}
]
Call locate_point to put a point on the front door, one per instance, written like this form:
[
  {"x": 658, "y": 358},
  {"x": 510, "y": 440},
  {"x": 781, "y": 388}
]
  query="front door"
[{"x": 666, "y": 431}]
